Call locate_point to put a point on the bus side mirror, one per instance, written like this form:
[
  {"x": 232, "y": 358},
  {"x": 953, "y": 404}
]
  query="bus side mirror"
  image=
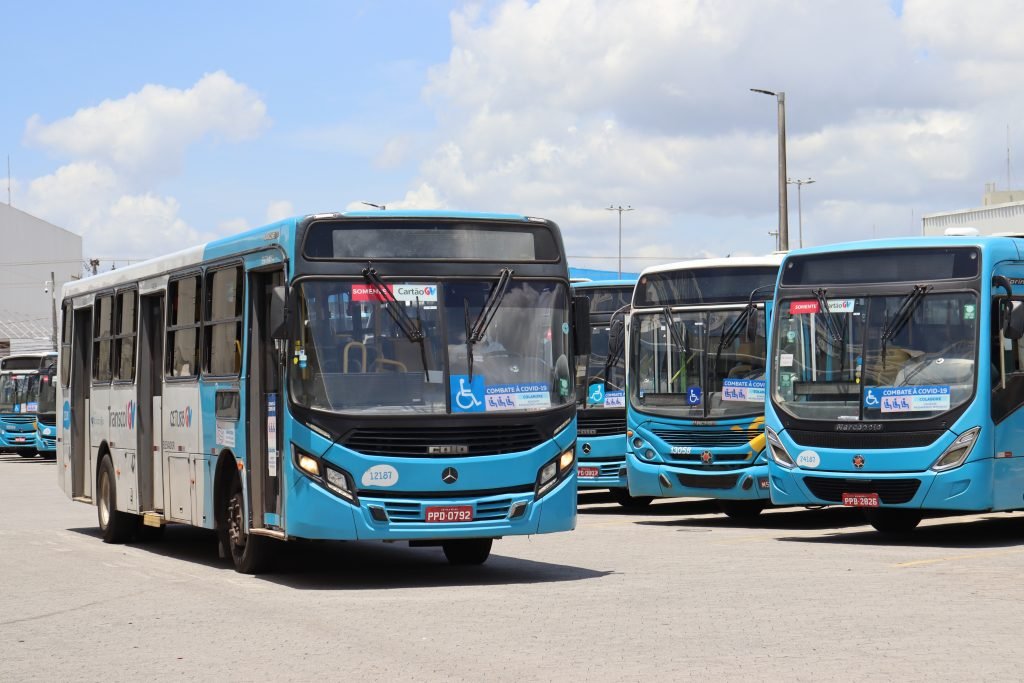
[
  {"x": 750, "y": 327},
  {"x": 1011, "y": 314},
  {"x": 581, "y": 325},
  {"x": 278, "y": 322},
  {"x": 616, "y": 334}
]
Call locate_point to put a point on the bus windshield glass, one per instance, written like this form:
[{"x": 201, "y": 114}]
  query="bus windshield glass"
[
  {"x": 437, "y": 347},
  {"x": 19, "y": 393},
  {"x": 47, "y": 392},
  {"x": 686, "y": 365},
  {"x": 894, "y": 357}
]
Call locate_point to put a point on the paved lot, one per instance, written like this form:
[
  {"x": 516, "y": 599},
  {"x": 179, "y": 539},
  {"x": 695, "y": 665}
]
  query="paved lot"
[{"x": 675, "y": 592}]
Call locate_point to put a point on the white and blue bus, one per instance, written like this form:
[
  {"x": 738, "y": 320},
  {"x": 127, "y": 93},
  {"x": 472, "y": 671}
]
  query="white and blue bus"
[
  {"x": 697, "y": 348},
  {"x": 399, "y": 376},
  {"x": 21, "y": 376},
  {"x": 897, "y": 381},
  {"x": 46, "y": 418},
  {"x": 601, "y": 393}
]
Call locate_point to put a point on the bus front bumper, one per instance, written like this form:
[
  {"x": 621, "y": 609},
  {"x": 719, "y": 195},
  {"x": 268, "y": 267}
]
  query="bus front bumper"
[
  {"x": 650, "y": 478},
  {"x": 315, "y": 513},
  {"x": 967, "y": 488},
  {"x": 610, "y": 474}
]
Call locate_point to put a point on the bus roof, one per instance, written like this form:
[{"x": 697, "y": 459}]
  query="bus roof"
[
  {"x": 728, "y": 262},
  {"x": 595, "y": 284},
  {"x": 998, "y": 242},
  {"x": 285, "y": 229}
]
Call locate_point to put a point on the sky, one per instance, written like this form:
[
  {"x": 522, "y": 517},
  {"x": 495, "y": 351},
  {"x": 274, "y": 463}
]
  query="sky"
[{"x": 150, "y": 127}]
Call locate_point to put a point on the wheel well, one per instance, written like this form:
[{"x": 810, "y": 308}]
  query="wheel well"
[
  {"x": 224, "y": 476},
  {"x": 102, "y": 452}
]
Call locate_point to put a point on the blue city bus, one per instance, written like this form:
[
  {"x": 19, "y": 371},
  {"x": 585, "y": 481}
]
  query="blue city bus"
[
  {"x": 46, "y": 418},
  {"x": 601, "y": 394},
  {"x": 696, "y": 346},
  {"x": 393, "y": 376},
  {"x": 898, "y": 378},
  {"x": 20, "y": 376}
]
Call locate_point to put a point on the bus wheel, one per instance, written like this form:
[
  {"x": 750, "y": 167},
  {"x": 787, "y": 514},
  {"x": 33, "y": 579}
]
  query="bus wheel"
[
  {"x": 741, "y": 509},
  {"x": 115, "y": 526},
  {"x": 622, "y": 497},
  {"x": 893, "y": 520},
  {"x": 467, "y": 551},
  {"x": 27, "y": 454},
  {"x": 250, "y": 554}
]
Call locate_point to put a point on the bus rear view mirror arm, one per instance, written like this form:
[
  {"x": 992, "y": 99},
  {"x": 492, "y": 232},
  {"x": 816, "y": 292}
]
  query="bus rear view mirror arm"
[{"x": 581, "y": 325}]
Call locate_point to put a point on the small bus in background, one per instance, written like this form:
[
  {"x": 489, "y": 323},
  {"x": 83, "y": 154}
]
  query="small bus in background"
[
  {"x": 385, "y": 375},
  {"x": 46, "y": 418},
  {"x": 697, "y": 353},
  {"x": 897, "y": 381},
  {"x": 601, "y": 393},
  {"x": 20, "y": 376}
]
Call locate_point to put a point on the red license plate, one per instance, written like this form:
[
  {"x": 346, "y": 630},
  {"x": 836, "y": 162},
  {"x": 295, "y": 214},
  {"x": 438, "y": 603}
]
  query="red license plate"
[
  {"x": 449, "y": 513},
  {"x": 588, "y": 472},
  {"x": 861, "y": 500},
  {"x": 19, "y": 438}
]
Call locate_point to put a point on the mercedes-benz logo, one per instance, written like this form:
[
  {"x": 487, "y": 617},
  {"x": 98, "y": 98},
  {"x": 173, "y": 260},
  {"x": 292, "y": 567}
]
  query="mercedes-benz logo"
[{"x": 450, "y": 475}]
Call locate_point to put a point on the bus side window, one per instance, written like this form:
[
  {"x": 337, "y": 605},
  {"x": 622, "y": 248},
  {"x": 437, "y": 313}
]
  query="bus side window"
[
  {"x": 103, "y": 332},
  {"x": 183, "y": 322}
]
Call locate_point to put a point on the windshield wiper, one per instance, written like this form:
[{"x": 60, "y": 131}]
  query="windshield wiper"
[
  {"x": 615, "y": 354},
  {"x": 412, "y": 329},
  {"x": 475, "y": 334},
  {"x": 833, "y": 327},
  {"x": 738, "y": 324},
  {"x": 903, "y": 313}
]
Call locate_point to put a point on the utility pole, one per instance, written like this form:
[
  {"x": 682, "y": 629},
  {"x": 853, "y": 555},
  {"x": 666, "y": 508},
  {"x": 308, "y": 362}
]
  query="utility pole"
[
  {"x": 620, "y": 210},
  {"x": 783, "y": 194},
  {"x": 94, "y": 264},
  {"x": 53, "y": 307}
]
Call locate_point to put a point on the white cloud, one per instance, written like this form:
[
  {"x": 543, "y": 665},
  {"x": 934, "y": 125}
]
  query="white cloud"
[
  {"x": 147, "y": 132},
  {"x": 277, "y": 210},
  {"x": 561, "y": 107}
]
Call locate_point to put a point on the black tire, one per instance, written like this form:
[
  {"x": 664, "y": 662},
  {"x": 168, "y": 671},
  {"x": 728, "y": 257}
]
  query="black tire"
[
  {"x": 27, "y": 454},
  {"x": 115, "y": 526},
  {"x": 467, "y": 551},
  {"x": 249, "y": 554},
  {"x": 894, "y": 520},
  {"x": 743, "y": 510},
  {"x": 622, "y": 497}
]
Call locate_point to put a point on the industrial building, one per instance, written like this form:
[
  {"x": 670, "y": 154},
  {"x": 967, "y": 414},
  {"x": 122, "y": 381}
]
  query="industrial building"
[
  {"x": 1000, "y": 211},
  {"x": 33, "y": 254}
]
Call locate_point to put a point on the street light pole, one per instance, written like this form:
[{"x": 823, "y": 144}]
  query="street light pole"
[
  {"x": 783, "y": 200},
  {"x": 799, "y": 203},
  {"x": 52, "y": 286},
  {"x": 620, "y": 210}
]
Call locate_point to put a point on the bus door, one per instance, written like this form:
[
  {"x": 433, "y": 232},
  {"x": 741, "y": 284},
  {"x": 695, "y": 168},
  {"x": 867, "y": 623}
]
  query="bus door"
[
  {"x": 81, "y": 382},
  {"x": 264, "y": 404},
  {"x": 150, "y": 396}
]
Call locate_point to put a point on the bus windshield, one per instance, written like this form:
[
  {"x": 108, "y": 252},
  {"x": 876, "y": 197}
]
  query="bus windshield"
[
  {"x": 439, "y": 347},
  {"x": 604, "y": 384},
  {"x": 904, "y": 356},
  {"x": 682, "y": 368},
  {"x": 19, "y": 393},
  {"x": 47, "y": 392}
]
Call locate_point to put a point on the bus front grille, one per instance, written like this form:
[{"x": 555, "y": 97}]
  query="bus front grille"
[
  {"x": 890, "y": 491},
  {"x": 708, "y": 439},
  {"x": 710, "y": 481},
  {"x": 596, "y": 422},
  {"x": 444, "y": 442},
  {"x": 864, "y": 440},
  {"x": 19, "y": 419}
]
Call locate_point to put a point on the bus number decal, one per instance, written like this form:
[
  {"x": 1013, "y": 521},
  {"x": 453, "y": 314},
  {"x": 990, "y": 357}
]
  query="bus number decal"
[{"x": 380, "y": 475}]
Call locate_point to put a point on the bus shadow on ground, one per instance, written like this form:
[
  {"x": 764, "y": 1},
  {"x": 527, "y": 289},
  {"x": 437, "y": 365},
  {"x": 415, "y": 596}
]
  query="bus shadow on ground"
[
  {"x": 361, "y": 565},
  {"x": 602, "y": 503},
  {"x": 7, "y": 458},
  {"x": 774, "y": 518},
  {"x": 994, "y": 530}
]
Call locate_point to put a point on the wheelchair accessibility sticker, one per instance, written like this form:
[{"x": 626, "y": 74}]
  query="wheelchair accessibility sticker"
[
  {"x": 615, "y": 399},
  {"x": 743, "y": 390},
  {"x": 693, "y": 396},
  {"x": 467, "y": 395},
  {"x": 517, "y": 396},
  {"x": 595, "y": 395},
  {"x": 907, "y": 399}
]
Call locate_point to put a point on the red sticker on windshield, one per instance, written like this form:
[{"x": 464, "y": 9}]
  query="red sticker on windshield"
[
  {"x": 803, "y": 307},
  {"x": 367, "y": 293}
]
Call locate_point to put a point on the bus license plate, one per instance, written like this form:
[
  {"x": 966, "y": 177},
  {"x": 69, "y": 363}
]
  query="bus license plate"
[
  {"x": 861, "y": 500},
  {"x": 588, "y": 472},
  {"x": 19, "y": 439},
  {"x": 449, "y": 513}
]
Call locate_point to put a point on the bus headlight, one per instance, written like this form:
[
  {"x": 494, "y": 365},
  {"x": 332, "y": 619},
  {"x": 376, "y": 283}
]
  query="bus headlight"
[
  {"x": 777, "y": 450},
  {"x": 554, "y": 471},
  {"x": 957, "y": 453},
  {"x": 332, "y": 478}
]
